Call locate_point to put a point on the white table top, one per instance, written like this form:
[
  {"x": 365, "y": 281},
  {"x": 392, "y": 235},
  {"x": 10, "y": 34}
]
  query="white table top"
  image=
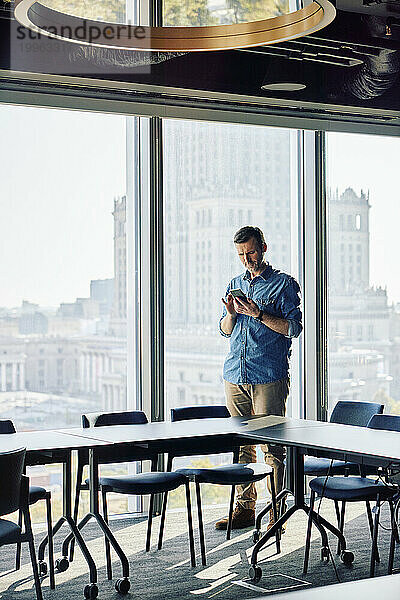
[{"x": 387, "y": 587}]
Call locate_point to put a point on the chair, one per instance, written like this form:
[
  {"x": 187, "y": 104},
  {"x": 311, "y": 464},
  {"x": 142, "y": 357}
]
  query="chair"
[
  {"x": 36, "y": 493},
  {"x": 357, "y": 489},
  {"x": 232, "y": 475},
  {"x": 140, "y": 484},
  {"x": 108, "y": 455},
  {"x": 389, "y": 423},
  {"x": 345, "y": 413},
  {"x": 15, "y": 496}
]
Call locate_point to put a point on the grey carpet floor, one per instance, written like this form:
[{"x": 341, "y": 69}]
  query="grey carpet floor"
[{"x": 167, "y": 574}]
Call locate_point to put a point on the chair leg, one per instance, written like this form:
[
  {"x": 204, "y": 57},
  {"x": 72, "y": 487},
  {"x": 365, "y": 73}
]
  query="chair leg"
[
  {"x": 308, "y": 536},
  {"x": 18, "y": 552},
  {"x": 162, "y": 522},
  {"x": 392, "y": 538},
  {"x": 341, "y": 526},
  {"x": 190, "y": 525},
  {"x": 230, "y": 514},
  {"x": 79, "y": 475},
  {"x": 275, "y": 511},
  {"x": 50, "y": 541},
  {"x": 29, "y": 534},
  {"x": 164, "y": 506},
  {"x": 149, "y": 522},
  {"x": 371, "y": 528},
  {"x": 106, "y": 540},
  {"x": 337, "y": 510},
  {"x": 375, "y": 538},
  {"x": 201, "y": 525}
]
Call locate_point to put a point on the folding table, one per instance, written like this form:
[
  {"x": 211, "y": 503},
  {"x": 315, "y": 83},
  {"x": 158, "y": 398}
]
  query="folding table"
[
  {"x": 344, "y": 442},
  {"x": 195, "y": 437}
]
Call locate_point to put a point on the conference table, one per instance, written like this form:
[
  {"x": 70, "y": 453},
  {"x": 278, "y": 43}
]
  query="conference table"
[{"x": 344, "y": 442}]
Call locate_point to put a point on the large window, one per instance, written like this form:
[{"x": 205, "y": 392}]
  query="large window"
[
  {"x": 63, "y": 298},
  {"x": 218, "y": 178},
  {"x": 364, "y": 287}
]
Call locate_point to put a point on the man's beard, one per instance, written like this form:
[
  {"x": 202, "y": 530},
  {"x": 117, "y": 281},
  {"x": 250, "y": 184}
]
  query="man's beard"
[{"x": 255, "y": 266}]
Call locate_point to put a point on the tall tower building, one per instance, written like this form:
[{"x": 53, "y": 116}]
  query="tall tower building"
[
  {"x": 349, "y": 242},
  {"x": 118, "y": 316},
  {"x": 218, "y": 178}
]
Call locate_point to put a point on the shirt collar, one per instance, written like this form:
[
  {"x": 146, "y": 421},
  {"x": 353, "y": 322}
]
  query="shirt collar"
[{"x": 265, "y": 274}]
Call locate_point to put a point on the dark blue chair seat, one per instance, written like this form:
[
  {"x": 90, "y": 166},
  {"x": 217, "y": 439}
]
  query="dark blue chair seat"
[
  {"x": 143, "y": 483},
  {"x": 10, "y": 532},
  {"x": 351, "y": 489},
  {"x": 315, "y": 467},
  {"x": 37, "y": 493},
  {"x": 228, "y": 474}
]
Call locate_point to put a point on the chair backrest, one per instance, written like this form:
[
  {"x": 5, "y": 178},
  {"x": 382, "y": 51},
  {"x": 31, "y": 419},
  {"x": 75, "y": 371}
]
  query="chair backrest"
[
  {"x": 115, "y": 454},
  {"x": 355, "y": 413},
  {"x": 126, "y": 417},
  {"x": 11, "y": 470},
  {"x": 6, "y": 426},
  {"x": 388, "y": 422},
  {"x": 199, "y": 412}
]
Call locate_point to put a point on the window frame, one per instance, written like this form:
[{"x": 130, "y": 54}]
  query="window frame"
[{"x": 147, "y": 229}]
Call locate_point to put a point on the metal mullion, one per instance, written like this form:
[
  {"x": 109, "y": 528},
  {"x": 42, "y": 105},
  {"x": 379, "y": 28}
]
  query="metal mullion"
[
  {"x": 156, "y": 271},
  {"x": 322, "y": 278},
  {"x": 134, "y": 184},
  {"x": 157, "y": 349}
]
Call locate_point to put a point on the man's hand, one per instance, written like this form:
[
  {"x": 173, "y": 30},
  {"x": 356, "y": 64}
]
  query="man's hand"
[
  {"x": 230, "y": 308},
  {"x": 246, "y": 307}
]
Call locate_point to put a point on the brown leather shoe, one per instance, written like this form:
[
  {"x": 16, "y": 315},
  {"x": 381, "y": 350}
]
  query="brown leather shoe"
[
  {"x": 272, "y": 522},
  {"x": 241, "y": 518}
]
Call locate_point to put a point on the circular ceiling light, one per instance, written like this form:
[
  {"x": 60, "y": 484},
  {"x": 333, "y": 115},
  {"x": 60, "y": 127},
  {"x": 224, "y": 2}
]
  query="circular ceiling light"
[
  {"x": 78, "y": 30},
  {"x": 288, "y": 86},
  {"x": 286, "y": 76}
]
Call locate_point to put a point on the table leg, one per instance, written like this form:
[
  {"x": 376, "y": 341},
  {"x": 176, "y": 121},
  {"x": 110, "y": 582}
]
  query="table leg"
[
  {"x": 295, "y": 462},
  {"x": 62, "y": 564},
  {"x": 122, "y": 585}
]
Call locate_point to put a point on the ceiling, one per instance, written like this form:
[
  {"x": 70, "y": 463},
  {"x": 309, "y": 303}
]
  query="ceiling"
[{"x": 352, "y": 65}]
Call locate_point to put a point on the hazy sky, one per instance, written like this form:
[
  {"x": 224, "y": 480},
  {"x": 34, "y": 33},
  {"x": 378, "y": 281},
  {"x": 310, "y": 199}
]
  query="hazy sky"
[
  {"x": 373, "y": 163},
  {"x": 60, "y": 171}
]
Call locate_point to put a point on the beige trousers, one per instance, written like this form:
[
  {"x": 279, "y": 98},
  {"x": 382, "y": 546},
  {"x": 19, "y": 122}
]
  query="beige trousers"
[{"x": 258, "y": 399}]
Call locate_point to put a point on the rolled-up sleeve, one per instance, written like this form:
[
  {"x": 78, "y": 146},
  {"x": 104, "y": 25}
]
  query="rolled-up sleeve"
[
  {"x": 289, "y": 304},
  {"x": 224, "y": 313}
]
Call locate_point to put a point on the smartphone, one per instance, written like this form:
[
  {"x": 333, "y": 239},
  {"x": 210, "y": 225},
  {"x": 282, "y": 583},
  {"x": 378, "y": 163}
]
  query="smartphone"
[{"x": 238, "y": 293}]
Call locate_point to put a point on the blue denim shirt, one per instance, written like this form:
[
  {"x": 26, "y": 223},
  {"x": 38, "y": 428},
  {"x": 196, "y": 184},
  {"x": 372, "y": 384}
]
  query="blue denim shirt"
[{"x": 257, "y": 353}]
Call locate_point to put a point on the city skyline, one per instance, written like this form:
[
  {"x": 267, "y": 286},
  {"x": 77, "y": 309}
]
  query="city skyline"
[{"x": 48, "y": 205}]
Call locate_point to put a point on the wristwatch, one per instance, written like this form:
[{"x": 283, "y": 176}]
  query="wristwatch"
[{"x": 260, "y": 316}]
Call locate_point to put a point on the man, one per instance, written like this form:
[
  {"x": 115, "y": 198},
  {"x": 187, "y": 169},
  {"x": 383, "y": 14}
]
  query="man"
[{"x": 256, "y": 370}]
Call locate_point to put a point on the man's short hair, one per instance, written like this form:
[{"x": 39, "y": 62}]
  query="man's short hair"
[{"x": 245, "y": 233}]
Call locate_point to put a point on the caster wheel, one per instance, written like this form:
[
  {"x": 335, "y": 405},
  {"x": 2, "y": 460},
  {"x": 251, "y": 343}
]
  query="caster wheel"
[
  {"x": 255, "y": 573},
  {"x": 256, "y": 536},
  {"x": 91, "y": 591},
  {"x": 347, "y": 557},
  {"x": 42, "y": 566},
  {"x": 62, "y": 564},
  {"x": 325, "y": 553},
  {"x": 123, "y": 586}
]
